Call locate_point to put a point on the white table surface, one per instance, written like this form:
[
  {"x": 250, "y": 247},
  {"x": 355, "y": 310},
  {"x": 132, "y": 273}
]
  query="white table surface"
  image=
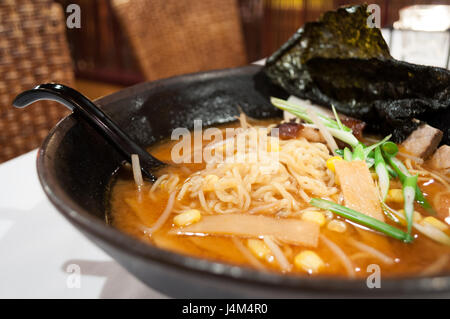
[{"x": 37, "y": 246}]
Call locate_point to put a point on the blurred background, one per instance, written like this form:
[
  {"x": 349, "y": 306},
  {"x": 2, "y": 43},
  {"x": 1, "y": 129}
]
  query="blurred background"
[
  {"x": 123, "y": 42},
  {"x": 101, "y": 49}
]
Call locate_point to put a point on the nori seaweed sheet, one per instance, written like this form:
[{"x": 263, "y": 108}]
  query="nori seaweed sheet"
[{"x": 340, "y": 60}]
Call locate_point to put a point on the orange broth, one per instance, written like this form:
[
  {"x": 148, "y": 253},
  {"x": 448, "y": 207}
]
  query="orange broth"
[{"x": 412, "y": 259}]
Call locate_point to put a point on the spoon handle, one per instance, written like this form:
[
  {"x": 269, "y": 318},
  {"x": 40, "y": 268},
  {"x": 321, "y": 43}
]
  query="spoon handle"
[{"x": 80, "y": 104}]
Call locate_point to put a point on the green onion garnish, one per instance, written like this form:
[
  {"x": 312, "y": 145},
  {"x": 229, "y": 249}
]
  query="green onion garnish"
[
  {"x": 409, "y": 192},
  {"x": 382, "y": 172},
  {"x": 389, "y": 152},
  {"x": 370, "y": 162},
  {"x": 336, "y": 129},
  {"x": 409, "y": 183},
  {"x": 420, "y": 198},
  {"x": 370, "y": 148},
  {"x": 347, "y": 154},
  {"x": 390, "y": 148},
  {"x": 338, "y": 120},
  {"x": 362, "y": 219},
  {"x": 358, "y": 153}
]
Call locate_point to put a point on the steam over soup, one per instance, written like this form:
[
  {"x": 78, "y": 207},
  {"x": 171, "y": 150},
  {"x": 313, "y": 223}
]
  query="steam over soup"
[{"x": 278, "y": 197}]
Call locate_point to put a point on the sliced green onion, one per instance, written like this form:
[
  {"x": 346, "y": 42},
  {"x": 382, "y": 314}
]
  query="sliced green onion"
[
  {"x": 358, "y": 153},
  {"x": 420, "y": 198},
  {"x": 370, "y": 148},
  {"x": 390, "y": 148},
  {"x": 370, "y": 162},
  {"x": 382, "y": 172},
  {"x": 300, "y": 112},
  {"x": 344, "y": 136},
  {"x": 428, "y": 230},
  {"x": 409, "y": 192},
  {"x": 347, "y": 154},
  {"x": 362, "y": 219},
  {"x": 433, "y": 233},
  {"x": 402, "y": 173},
  {"x": 341, "y": 127},
  {"x": 409, "y": 184},
  {"x": 339, "y": 131},
  {"x": 391, "y": 171},
  {"x": 399, "y": 167}
]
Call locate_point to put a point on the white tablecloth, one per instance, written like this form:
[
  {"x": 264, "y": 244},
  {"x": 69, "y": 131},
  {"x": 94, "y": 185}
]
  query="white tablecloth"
[{"x": 38, "y": 247}]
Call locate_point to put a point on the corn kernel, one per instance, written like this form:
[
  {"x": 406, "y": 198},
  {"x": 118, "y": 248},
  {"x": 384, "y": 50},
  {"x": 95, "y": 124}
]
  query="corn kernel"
[
  {"x": 331, "y": 161},
  {"x": 337, "y": 226},
  {"x": 308, "y": 261},
  {"x": 430, "y": 220},
  {"x": 209, "y": 182},
  {"x": 395, "y": 195},
  {"x": 188, "y": 217},
  {"x": 314, "y": 216},
  {"x": 258, "y": 248}
]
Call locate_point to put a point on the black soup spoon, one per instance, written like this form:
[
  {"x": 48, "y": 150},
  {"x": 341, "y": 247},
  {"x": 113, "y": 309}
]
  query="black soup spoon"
[{"x": 90, "y": 112}]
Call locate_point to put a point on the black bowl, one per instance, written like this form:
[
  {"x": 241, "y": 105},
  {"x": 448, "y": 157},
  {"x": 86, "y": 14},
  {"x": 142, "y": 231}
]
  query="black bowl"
[{"x": 75, "y": 166}]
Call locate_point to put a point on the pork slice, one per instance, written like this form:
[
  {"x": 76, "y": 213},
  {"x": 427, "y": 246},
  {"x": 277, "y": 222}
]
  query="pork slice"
[
  {"x": 357, "y": 126},
  {"x": 312, "y": 134},
  {"x": 289, "y": 130},
  {"x": 441, "y": 158},
  {"x": 423, "y": 141},
  {"x": 293, "y": 130}
]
